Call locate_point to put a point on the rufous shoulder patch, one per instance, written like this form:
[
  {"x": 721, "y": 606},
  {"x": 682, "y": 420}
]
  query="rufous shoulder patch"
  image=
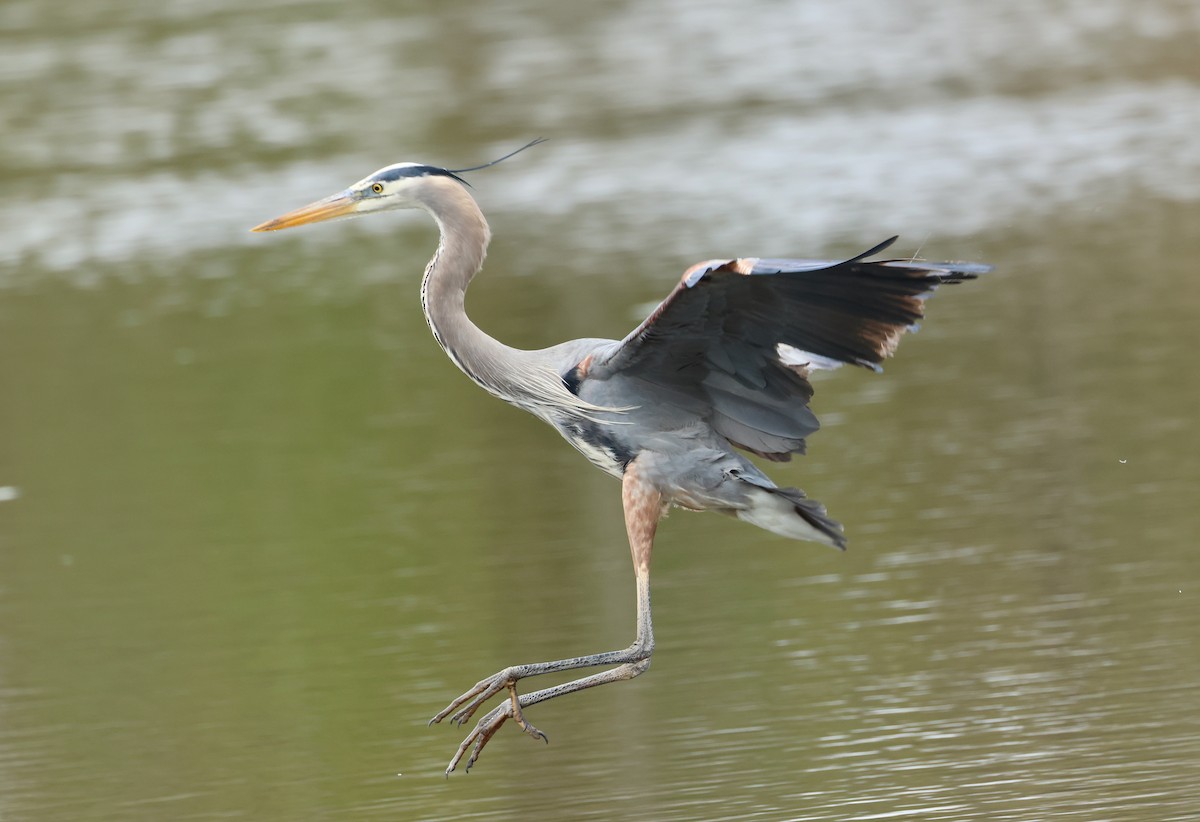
[{"x": 584, "y": 366}]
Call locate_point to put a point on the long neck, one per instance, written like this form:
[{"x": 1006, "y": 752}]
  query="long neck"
[
  {"x": 459, "y": 257},
  {"x": 527, "y": 379}
]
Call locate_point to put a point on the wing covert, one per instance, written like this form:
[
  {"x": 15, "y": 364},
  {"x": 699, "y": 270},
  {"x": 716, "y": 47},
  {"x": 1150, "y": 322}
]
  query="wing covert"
[{"x": 743, "y": 335}]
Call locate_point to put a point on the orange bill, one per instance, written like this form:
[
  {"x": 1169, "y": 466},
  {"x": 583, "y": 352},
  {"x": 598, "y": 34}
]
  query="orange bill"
[{"x": 339, "y": 205}]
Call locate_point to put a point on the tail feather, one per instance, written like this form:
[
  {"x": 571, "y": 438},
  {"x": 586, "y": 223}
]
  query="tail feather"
[
  {"x": 814, "y": 514},
  {"x": 787, "y": 512}
]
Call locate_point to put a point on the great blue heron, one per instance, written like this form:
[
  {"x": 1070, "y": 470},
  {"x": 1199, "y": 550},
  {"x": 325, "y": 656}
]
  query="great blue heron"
[{"x": 721, "y": 364}]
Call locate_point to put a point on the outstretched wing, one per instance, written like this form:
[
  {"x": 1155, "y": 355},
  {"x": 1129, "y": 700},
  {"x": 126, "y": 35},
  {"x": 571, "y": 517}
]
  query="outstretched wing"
[{"x": 740, "y": 336}]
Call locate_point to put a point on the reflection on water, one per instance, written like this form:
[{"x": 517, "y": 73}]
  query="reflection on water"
[{"x": 255, "y": 530}]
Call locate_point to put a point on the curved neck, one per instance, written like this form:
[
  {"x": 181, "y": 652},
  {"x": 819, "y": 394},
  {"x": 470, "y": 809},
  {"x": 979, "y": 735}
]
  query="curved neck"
[
  {"x": 527, "y": 379},
  {"x": 459, "y": 257}
]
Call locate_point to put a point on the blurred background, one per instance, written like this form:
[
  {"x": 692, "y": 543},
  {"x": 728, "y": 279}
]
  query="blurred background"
[{"x": 255, "y": 529}]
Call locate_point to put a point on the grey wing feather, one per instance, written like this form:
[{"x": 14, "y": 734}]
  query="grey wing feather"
[{"x": 741, "y": 335}]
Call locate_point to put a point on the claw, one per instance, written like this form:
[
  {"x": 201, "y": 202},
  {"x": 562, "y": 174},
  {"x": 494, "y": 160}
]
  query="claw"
[
  {"x": 467, "y": 704},
  {"x": 519, "y": 716}
]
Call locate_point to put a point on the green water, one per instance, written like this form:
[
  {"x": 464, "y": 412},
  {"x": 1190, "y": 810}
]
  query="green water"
[{"x": 255, "y": 529}]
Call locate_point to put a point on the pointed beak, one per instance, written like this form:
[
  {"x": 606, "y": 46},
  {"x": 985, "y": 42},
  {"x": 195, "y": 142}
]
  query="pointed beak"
[{"x": 339, "y": 205}]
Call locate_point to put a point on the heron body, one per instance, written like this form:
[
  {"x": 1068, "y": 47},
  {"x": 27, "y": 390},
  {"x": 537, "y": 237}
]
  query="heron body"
[{"x": 719, "y": 369}]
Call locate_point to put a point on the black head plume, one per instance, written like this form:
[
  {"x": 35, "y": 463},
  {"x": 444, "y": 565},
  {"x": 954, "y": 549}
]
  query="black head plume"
[{"x": 454, "y": 172}]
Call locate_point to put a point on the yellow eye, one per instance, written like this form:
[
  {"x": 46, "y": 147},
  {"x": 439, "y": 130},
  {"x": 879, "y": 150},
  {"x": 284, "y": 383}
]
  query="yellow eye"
[{"x": 377, "y": 188}]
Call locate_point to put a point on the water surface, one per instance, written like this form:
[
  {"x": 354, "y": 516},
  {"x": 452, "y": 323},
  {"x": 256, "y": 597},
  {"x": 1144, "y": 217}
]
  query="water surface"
[{"x": 255, "y": 529}]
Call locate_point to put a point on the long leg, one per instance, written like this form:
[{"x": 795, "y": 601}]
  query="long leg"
[{"x": 643, "y": 508}]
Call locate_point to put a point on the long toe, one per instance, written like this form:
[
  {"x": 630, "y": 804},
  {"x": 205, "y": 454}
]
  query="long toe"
[
  {"x": 464, "y": 707},
  {"x": 479, "y": 736}
]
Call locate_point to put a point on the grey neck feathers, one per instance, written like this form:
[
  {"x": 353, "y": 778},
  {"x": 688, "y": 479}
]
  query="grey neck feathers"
[
  {"x": 459, "y": 257},
  {"x": 523, "y": 378}
]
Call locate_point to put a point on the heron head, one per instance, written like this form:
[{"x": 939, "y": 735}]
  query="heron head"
[{"x": 396, "y": 186}]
